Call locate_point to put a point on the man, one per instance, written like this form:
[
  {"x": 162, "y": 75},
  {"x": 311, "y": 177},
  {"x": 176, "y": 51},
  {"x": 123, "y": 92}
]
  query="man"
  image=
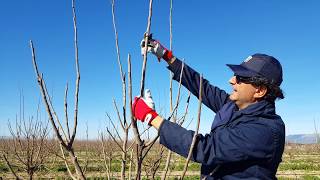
[{"x": 247, "y": 137}]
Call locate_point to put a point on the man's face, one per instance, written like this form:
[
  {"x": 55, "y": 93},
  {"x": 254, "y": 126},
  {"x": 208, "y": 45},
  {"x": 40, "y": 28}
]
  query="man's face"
[{"x": 243, "y": 93}]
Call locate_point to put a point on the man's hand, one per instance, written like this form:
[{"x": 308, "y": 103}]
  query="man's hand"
[
  {"x": 143, "y": 108},
  {"x": 156, "y": 48}
]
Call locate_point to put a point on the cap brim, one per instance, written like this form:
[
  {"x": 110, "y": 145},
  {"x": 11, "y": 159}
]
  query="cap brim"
[{"x": 242, "y": 71}]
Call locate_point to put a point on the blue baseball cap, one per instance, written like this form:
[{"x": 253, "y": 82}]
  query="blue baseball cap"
[{"x": 260, "y": 65}]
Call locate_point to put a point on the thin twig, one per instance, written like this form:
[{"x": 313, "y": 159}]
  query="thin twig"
[
  {"x": 178, "y": 99},
  {"x": 114, "y": 127},
  {"x": 118, "y": 113},
  {"x": 133, "y": 121},
  {"x": 104, "y": 156},
  {"x": 114, "y": 140},
  {"x": 178, "y": 95},
  {"x": 146, "y": 38},
  {"x": 129, "y": 147},
  {"x": 87, "y": 150},
  {"x": 195, "y": 133},
  {"x": 186, "y": 110},
  {"x": 149, "y": 145},
  {"x": 66, "y": 111}
]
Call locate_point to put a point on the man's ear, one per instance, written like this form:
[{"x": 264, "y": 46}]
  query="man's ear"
[{"x": 260, "y": 92}]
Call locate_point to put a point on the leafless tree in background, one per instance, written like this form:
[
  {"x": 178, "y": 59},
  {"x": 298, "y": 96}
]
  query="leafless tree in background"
[
  {"x": 27, "y": 148},
  {"x": 5, "y": 143},
  {"x": 152, "y": 162},
  {"x": 108, "y": 152},
  {"x": 65, "y": 139}
]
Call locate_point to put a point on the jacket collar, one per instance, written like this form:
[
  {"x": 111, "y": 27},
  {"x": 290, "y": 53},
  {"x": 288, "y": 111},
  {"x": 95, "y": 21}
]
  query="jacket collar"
[{"x": 261, "y": 107}]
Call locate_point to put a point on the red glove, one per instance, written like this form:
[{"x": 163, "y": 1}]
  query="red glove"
[{"x": 142, "y": 111}]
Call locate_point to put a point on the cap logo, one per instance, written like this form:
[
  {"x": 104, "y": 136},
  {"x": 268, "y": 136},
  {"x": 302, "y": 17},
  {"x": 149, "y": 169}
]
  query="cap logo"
[{"x": 248, "y": 59}]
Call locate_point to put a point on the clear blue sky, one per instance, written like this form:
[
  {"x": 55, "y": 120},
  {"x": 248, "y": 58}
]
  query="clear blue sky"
[{"x": 207, "y": 34}]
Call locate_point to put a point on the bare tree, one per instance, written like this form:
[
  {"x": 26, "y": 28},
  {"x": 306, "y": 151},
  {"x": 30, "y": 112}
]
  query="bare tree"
[
  {"x": 26, "y": 148},
  {"x": 27, "y": 145},
  {"x": 65, "y": 139},
  {"x": 107, "y": 152},
  {"x": 5, "y": 144},
  {"x": 153, "y": 161}
]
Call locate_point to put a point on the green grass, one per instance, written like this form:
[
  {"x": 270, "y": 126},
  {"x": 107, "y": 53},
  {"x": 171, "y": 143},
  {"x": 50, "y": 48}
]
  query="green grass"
[
  {"x": 309, "y": 177},
  {"x": 298, "y": 158},
  {"x": 3, "y": 168},
  {"x": 60, "y": 168},
  {"x": 299, "y": 166}
]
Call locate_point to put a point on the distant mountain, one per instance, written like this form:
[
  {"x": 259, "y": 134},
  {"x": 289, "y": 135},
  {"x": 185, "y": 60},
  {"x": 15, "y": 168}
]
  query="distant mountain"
[{"x": 302, "y": 138}]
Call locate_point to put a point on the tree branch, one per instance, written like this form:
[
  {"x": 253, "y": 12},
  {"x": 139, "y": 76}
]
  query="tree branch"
[
  {"x": 44, "y": 94},
  {"x": 118, "y": 113},
  {"x": 76, "y": 97},
  {"x": 114, "y": 127},
  {"x": 10, "y": 167},
  {"x": 146, "y": 38},
  {"x": 66, "y": 111},
  {"x": 133, "y": 121},
  {"x": 195, "y": 133},
  {"x": 115, "y": 140}
]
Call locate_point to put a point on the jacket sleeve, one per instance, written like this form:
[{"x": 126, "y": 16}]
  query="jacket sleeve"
[
  {"x": 243, "y": 142},
  {"x": 213, "y": 97}
]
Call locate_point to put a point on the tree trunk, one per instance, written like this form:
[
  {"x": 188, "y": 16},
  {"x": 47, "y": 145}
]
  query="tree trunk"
[
  {"x": 124, "y": 155},
  {"x": 139, "y": 162},
  {"x": 76, "y": 165}
]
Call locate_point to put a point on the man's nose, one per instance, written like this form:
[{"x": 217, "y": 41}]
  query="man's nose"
[{"x": 232, "y": 80}]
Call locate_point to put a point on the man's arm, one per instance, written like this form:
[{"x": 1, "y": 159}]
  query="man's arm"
[
  {"x": 212, "y": 96},
  {"x": 244, "y": 142}
]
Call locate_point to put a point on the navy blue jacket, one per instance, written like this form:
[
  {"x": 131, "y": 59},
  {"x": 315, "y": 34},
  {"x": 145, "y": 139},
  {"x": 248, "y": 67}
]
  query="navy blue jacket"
[{"x": 242, "y": 144}]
